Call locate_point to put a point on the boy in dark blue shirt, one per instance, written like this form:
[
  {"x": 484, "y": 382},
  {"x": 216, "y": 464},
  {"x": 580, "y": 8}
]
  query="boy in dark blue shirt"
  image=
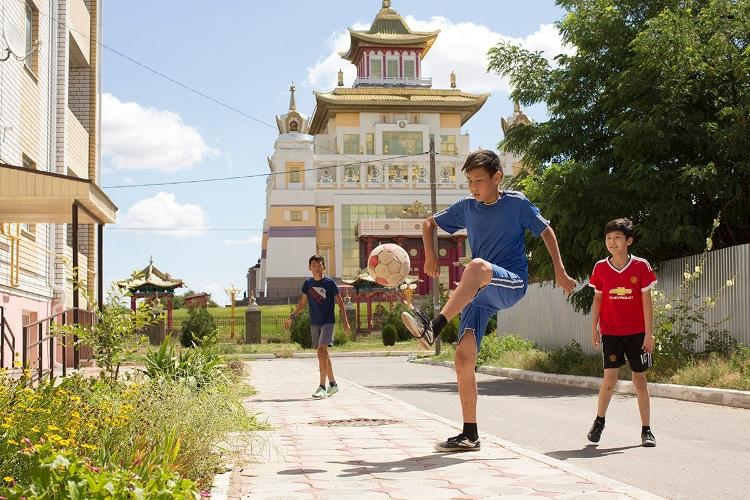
[
  {"x": 319, "y": 293},
  {"x": 495, "y": 279}
]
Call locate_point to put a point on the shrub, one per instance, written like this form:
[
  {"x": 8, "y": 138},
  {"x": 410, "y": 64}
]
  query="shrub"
[
  {"x": 720, "y": 342},
  {"x": 63, "y": 474},
  {"x": 449, "y": 334},
  {"x": 198, "y": 328},
  {"x": 196, "y": 367},
  {"x": 301, "y": 330},
  {"x": 394, "y": 318},
  {"x": 511, "y": 343},
  {"x": 562, "y": 358},
  {"x": 493, "y": 347},
  {"x": 389, "y": 334}
]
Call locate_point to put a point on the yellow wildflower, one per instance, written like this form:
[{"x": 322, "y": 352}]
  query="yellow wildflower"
[{"x": 8, "y": 479}]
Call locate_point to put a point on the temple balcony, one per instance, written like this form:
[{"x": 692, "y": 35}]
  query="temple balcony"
[{"x": 392, "y": 81}]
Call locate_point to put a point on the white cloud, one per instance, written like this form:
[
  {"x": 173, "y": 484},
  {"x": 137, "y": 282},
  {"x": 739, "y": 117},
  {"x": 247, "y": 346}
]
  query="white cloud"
[
  {"x": 138, "y": 138},
  {"x": 250, "y": 240},
  {"x": 461, "y": 47},
  {"x": 165, "y": 214}
]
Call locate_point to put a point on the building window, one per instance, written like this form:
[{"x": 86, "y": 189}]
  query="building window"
[
  {"x": 295, "y": 175},
  {"x": 410, "y": 69},
  {"x": 370, "y": 144},
  {"x": 448, "y": 145},
  {"x": 392, "y": 68},
  {"x": 351, "y": 144},
  {"x": 295, "y": 215},
  {"x": 323, "y": 218},
  {"x": 376, "y": 67},
  {"x": 402, "y": 143},
  {"x": 30, "y": 28}
]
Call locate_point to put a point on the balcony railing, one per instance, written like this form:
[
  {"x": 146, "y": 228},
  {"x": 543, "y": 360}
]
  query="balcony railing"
[
  {"x": 77, "y": 146},
  {"x": 393, "y": 81}
]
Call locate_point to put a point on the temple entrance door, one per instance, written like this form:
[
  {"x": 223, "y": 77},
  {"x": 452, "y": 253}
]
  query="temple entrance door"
[{"x": 416, "y": 257}]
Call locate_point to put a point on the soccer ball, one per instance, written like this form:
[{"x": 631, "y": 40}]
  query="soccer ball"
[{"x": 388, "y": 264}]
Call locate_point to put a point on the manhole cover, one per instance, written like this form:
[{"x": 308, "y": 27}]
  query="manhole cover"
[{"x": 356, "y": 422}]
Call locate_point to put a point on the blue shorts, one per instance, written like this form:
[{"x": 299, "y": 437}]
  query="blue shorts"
[{"x": 505, "y": 289}]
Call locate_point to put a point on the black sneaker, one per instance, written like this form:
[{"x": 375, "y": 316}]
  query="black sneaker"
[
  {"x": 420, "y": 326},
  {"x": 596, "y": 431},
  {"x": 458, "y": 443},
  {"x": 647, "y": 439}
]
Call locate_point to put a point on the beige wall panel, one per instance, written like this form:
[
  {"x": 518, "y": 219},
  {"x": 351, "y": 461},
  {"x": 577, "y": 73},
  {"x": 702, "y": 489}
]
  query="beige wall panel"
[
  {"x": 276, "y": 216},
  {"x": 347, "y": 120},
  {"x": 450, "y": 120},
  {"x": 30, "y": 119}
]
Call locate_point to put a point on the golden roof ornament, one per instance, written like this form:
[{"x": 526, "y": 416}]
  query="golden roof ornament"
[
  {"x": 341, "y": 78},
  {"x": 518, "y": 118},
  {"x": 453, "y": 79},
  {"x": 386, "y": 4},
  {"x": 416, "y": 211}
]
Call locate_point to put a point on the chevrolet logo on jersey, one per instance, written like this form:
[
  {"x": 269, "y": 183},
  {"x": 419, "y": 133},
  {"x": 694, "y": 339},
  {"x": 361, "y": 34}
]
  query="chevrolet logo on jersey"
[{"x": 621, "y": 291}]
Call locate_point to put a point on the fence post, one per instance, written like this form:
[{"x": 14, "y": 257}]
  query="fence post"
[{"x": 252, "y": 322}]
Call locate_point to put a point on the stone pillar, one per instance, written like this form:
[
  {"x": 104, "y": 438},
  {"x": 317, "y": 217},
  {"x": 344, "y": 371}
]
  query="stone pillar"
[
  {"x": 156, "y": 332},
  {"x": 252, "y": 323},
  {"x": 351, "y": 315}
]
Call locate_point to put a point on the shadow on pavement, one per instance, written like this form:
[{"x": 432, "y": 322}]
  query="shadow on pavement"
[
  {"x": 589, "y": 451},
  {"x": 300, "y": 472},
  {"x": 290, "y": 400},
  {"x": 423, "y": 463},
  {"x": 498, "y": 387}
]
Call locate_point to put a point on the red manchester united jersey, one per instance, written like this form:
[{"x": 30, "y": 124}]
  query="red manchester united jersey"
[{"x": 622, "y": 295}]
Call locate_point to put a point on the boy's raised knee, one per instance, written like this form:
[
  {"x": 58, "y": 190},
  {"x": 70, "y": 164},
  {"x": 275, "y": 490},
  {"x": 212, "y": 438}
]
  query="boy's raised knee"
[{"x": 478, "y": 266}]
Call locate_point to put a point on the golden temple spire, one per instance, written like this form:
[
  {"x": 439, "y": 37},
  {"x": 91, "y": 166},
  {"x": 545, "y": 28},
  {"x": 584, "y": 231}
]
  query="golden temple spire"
[
  {"x": 386, "y": 4},
  {"x": 516, "y": 106},
  {"x": 292, "y": 104},
  {"x": 453, "y": 79}
]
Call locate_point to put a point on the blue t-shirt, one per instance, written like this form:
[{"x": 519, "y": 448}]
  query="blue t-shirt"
[
  {"x": 320, "y": 299},
  {"x": 496, "y": 231}
]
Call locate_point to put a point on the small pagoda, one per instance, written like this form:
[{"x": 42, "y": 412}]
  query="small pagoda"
[
  {"x": 366, "y": 289},
  {"x": 151, "y": 283}
]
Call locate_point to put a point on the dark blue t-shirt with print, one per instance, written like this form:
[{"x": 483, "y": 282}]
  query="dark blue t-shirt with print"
[
  {"x": 320, "y": 299},
  {"x": 496, "y": 231}
]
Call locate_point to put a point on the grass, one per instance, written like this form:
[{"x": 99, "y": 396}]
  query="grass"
[
  {"x": 275, "y": 311},
  {"x": 233, "y": 351},
  {"x": 705, "y": 370}
]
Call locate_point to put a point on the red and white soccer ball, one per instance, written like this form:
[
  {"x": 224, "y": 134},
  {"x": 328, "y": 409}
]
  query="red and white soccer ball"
[{"x": 388, "y": 264}]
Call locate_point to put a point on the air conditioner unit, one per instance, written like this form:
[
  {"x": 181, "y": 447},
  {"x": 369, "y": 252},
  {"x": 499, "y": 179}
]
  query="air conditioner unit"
[{"x": 401, "y": 123}]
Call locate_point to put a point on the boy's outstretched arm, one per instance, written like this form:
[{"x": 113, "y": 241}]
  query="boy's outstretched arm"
[
  {"x": 431, "y": 267},
  {"x": 342, "y": 313},
  {"x": 300, "y": 305},
  {"x": 561, "y": 277},
  {"x": 648, "y": 321}
]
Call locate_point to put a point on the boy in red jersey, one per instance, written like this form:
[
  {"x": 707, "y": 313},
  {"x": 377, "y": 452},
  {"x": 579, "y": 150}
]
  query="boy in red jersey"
[{"x": 622, "y": 322}]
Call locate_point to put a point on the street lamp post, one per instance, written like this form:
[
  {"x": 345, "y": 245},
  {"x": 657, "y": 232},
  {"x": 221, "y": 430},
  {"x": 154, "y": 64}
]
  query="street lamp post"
[{"x": 232, "y": 291}]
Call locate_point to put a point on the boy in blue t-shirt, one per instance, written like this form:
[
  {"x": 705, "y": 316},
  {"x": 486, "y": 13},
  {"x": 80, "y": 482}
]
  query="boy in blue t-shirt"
[
  {"x": 319, "y": 293},
  {"x": 495, "y": 279}
]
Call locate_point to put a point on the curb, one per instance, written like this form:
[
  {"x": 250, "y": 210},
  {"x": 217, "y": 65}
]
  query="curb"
[
  {"x": 333, "y": 354},
  {"x": 708, "y": 395},
  {"x": 559, "y": 464}
]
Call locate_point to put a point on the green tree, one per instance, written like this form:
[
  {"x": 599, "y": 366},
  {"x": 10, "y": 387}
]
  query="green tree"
[{"x": 649, "y": 118}]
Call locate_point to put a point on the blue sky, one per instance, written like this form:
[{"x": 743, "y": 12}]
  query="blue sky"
[{"x": 245, "y": 54}]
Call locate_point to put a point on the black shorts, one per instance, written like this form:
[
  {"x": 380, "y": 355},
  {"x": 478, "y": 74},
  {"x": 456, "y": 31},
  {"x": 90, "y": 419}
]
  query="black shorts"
[{"x": 615, "y": 348}]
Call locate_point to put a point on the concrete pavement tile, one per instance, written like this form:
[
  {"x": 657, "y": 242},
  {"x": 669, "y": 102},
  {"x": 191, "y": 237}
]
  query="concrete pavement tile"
[
  {"x": 494, "y": 491},
  {"x": 410, "y": 493},
  {"x": 596, "y": 496}
]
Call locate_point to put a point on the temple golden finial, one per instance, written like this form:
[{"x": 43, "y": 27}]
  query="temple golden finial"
[
  {"x": 341, "y": 78},
  {"x": 453, "y": 79},
  {"x": 292, "y": 103},
  {"x": 386, "y": 4},
  {"x": 516, "y": 106}
]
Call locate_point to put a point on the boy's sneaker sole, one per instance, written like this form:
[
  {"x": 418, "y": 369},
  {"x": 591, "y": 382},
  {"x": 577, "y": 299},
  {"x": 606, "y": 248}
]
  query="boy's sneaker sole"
[
  {"x": 415, "y": 329},
  {"x": 458, "y": 444}
]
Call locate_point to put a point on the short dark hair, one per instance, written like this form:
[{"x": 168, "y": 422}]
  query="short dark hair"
[
  {"x": 316, "y": 258},
  {"x": 482, "y": 158},
  {"x": 622, "y": 224}
]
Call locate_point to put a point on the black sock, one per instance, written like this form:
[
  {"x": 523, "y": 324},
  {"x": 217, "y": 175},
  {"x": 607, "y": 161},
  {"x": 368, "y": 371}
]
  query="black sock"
[
  {"x": 645, "y": 428},
  {"x": 600, "y": 419},
  {"x": 438, "y": 323},
  {"x": 470, "y": 431},
  {"x": 332, "y": 383},
  {"x": 322, "y": 386}
]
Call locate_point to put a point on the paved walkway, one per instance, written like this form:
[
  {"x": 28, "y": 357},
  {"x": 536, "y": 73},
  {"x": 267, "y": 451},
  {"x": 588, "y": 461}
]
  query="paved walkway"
[{"x": 305, "y": 459}]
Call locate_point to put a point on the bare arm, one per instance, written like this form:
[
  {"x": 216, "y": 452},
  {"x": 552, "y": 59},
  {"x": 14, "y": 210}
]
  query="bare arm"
[
  {"x": 561, "y": 277},
  {"x": 648, "y": 320},
  {"x": 300, "y": 305},
  {"x": 431, "y": 267},
  {"x": 342, "y": 312},
  {"x": 596, "y": 308}
]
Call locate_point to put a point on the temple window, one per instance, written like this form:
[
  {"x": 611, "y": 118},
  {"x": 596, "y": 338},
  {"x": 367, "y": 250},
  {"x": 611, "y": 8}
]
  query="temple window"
[
  {"x": 448, "y": 145},
  {"x": 293, "y": 127},
  {"x": 376, "y": 67},
  {"x": 392, "y": 67},
  {"x": 410, "y": 69}
]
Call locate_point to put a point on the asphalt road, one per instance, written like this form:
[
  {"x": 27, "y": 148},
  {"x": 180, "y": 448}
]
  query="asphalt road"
[{"x": 703, "y": 451}]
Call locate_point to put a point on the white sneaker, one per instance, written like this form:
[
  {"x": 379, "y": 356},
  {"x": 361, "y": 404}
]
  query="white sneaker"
[{"x": 320, "y": 393}]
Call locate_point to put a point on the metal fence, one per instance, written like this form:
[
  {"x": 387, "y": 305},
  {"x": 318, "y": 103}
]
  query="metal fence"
[{"x": 546, "y": 317}]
